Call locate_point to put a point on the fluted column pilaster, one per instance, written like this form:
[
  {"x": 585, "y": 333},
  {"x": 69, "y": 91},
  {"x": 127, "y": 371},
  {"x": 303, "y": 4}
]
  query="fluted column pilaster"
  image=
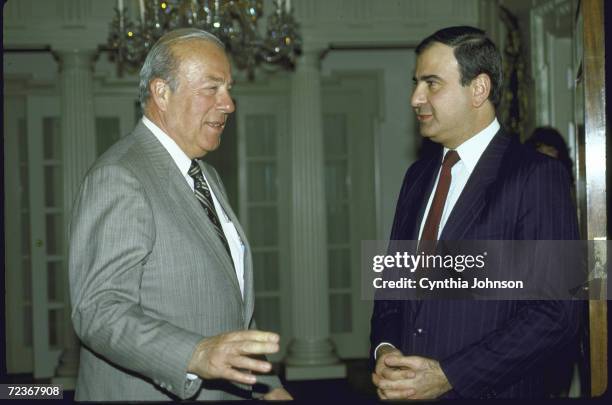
[
  {"x": 78, "y": 153},
  {"x": 311, "y": 353}
]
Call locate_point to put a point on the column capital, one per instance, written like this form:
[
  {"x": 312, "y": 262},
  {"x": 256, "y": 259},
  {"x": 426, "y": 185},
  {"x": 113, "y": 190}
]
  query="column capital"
[
  {"x": 311, "y": 56},
  {"x": 71, "y": 58}
]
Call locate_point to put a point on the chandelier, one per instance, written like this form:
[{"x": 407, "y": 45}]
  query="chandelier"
[{"x": 234, "y": 22}]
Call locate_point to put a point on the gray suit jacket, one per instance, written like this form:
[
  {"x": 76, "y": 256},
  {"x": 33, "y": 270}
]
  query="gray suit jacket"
[{"x": 149, "y": 278}]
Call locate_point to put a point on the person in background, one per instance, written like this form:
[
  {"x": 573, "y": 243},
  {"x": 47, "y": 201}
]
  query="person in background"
[{"x": 549, "y": 141}]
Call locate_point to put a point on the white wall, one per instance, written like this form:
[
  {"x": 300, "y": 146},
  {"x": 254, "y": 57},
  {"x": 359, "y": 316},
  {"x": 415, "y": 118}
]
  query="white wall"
[
  {"x": 39, "y": 66},
  {"x": 395, "y": 134}
]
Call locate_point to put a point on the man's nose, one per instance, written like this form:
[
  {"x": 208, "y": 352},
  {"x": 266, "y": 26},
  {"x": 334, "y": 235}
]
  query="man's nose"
[
  {"x": 226, "y": 104},
  {"x": 418, "y": 97}
]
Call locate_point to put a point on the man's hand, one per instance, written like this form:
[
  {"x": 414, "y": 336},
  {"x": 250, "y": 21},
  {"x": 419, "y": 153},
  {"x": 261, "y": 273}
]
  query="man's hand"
[
  {"x": 381, "y": 354},
  {"x": 409, "y": 377},
  {"x": 278, "y": 394},
  {"x": 226, "y": 356}
]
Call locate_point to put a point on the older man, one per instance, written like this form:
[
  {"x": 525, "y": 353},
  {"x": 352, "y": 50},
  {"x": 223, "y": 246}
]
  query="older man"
[
  {"x": 482, "y": 185},
  {"x": 160, "y": 270}
]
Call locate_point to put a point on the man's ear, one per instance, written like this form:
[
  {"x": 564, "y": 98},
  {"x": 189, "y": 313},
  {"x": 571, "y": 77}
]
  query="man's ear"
[
  {"x": 481, "y": 88},
  {"x": 160, "y": 92}
]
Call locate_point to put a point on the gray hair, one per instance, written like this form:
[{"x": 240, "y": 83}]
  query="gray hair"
[{"x": 161, "y": 63}]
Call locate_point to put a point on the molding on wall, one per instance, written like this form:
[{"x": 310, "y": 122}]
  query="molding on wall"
[
  {"x": 68, "y": 24},
  {"x": 489, "y": 21},
  {"x": 556, "y": 15},
  {"x": 341, "y": 79},
  {"x": 548, "y": 19},
  {"x": 83, "y": 24},
  {"x": 74, "y": 13},
  {"x": 24, "y": 84},
  {"x": 384, "y": 22},
  {"x": 356, "y": 13}
]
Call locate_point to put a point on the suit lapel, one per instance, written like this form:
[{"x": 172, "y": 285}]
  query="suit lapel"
[
  {"x": 425, "y": 189},
  {"x": 473, "y": 197},
  {"x": 248, "y": 265},
  {"x": 178, "y": 191},
  {"x": 411, "y": 208}
]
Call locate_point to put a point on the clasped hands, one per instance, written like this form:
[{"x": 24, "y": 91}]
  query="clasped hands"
[
  {"x": 407, "y": 377},
  {"x": 230, "y": 355}
]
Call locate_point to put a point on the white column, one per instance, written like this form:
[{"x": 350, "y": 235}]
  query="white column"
[
  {"x": 311, "y": 354},
  {"x": 78, "y": 153}
]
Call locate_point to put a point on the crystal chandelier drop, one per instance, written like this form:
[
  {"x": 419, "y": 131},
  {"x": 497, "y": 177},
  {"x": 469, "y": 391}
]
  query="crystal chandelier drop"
[{"x": 233, "y": 21}]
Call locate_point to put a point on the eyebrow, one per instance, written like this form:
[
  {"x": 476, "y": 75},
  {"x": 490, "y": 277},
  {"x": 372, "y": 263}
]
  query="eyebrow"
[
  {"x": 218, "y": 79},
  {"x": 427, "y": 77}
]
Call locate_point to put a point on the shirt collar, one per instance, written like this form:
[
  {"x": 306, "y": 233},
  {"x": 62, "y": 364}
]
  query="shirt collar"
[
  {"x": 180, "y": 158},
  {"x": 471, "y": 150}
]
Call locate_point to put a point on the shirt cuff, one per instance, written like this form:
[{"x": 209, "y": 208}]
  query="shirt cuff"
[
  {"x": 192, "y": 377},
  {"x": 382, "y": 344}
]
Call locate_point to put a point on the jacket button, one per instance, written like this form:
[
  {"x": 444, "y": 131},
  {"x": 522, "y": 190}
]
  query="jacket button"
[{"x": 418, "y": 332}]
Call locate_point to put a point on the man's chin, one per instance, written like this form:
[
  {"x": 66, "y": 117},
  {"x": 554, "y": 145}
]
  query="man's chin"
[
  {"x": 215, "y": 147},
  {"x": 428, "y": 135},
  {"x": 435, "y": 138}
]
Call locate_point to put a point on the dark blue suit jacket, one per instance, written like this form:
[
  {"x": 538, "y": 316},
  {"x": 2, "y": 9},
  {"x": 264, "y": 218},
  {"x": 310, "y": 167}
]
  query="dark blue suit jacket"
[{"x": 487, "y": 348}]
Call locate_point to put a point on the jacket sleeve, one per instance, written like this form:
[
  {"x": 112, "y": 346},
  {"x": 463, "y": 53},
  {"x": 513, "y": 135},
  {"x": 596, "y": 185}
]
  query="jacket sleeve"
[
  {"x": 112, "y": 235},
  {"x": 387, "y": 315}
]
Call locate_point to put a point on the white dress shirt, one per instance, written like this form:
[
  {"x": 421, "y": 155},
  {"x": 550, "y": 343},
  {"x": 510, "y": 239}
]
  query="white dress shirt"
[
  {"x": 183, "y": 163},
  {"x": 469, "y": 152}
]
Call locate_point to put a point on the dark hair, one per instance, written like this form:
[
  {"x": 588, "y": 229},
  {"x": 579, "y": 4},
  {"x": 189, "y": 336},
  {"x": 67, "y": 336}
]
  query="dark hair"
[
  {"x": 475, "y": 54},
  {"x": 551, "y": 137}
]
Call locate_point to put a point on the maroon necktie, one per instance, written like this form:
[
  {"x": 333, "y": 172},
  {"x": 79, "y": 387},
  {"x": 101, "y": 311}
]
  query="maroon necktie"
[{"x": 432, "y": 224}]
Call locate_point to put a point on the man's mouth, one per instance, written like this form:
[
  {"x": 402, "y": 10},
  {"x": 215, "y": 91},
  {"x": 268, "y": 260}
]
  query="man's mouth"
[
  {"x": 424, "y": 117},
  {"x": 216, "y": 124}
]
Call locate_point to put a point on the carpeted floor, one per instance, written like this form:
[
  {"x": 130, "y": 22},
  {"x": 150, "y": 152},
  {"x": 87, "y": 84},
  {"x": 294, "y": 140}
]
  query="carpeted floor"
[{"x": 356, "y": 388}]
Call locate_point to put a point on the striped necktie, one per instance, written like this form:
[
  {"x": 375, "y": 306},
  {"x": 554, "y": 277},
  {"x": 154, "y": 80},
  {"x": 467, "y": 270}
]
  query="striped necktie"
[{"x": 202, "y": 193}]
